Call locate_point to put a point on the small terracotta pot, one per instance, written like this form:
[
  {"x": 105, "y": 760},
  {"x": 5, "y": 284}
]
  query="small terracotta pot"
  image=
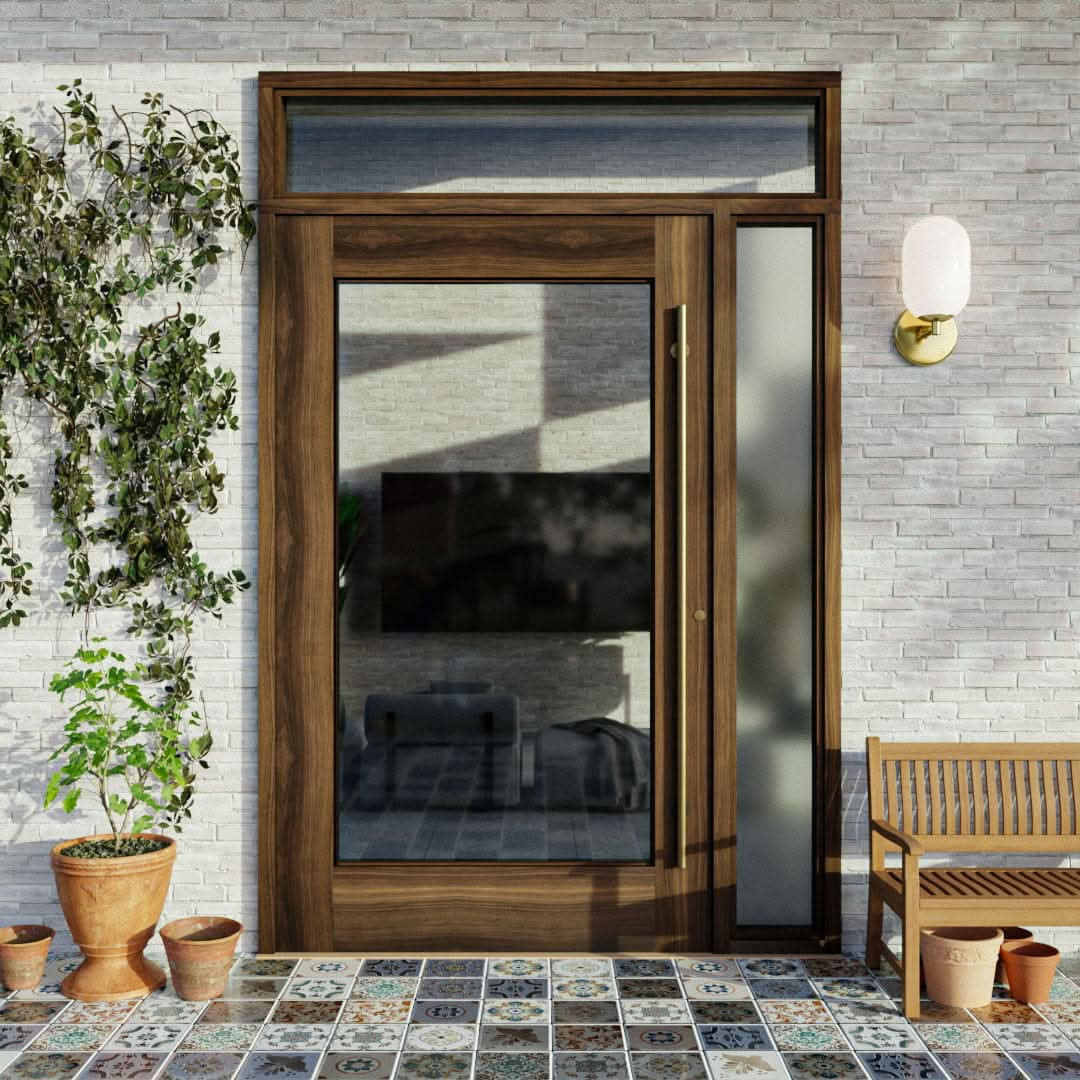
[
  {"x": 1013, "y": 934},
  {"x": 112, "y": 907},
  {"x": 23, "y": 952},
  {"x": 959, "y": 962},
  {"x": 200, "y": 951},
  {"x": 1030, "y": 967}
]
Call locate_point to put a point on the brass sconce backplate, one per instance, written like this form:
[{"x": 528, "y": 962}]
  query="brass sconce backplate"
[{"x": 917, "y": 342}]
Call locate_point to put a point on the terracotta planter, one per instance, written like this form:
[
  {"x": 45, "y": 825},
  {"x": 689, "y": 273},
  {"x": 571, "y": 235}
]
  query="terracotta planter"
[
  {"x": 1030, "y": 967},
  {"x": 1014, "y": 935},
  {"x": 112, "y": 907},
  {"x": 959, "y": 963},
  {"x": 200, "y": 951},
  {"x": 23, "y": 952}
]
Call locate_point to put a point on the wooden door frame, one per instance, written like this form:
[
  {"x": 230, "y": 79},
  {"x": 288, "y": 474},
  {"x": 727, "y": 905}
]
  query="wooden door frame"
[{"x": 295, "y": 913}]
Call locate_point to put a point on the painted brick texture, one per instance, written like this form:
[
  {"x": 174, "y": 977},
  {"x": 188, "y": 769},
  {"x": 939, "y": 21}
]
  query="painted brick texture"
[{"x": 961, "y": 483}]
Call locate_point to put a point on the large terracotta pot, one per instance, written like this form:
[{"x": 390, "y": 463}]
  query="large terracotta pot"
[
  {"x": 959, "y": 962},
  {"x": 200, "y": 951},
  {"x": 1030, "y": 966},
  {"x": 112, "y": 907}
]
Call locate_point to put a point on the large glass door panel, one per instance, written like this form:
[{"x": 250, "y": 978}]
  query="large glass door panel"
[{"x": 495, "y": 591}]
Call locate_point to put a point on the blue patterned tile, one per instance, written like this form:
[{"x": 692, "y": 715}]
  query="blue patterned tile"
[
  {"x": 390, "y": 968},
  {"x": 270, "y": 1066},
  {"x": 666, "y": 1038},
  {"x": 201, "y": 1066},
  {"x": 631, "y": 969},
  {"x": 668, "y": 1067},
  {"x": 890, "y": 1066},
  {"x": 591, "y": 1067},
  {"x": 1046, "y": 1066},
  {"x": 440, "y": 989},
  {"x": 776, "y": 989},
  {"x": 735, "y": 1037},
  {"x": 979, "y": 1067},
  {"x": 453, "y": 968},
  {"x": 445, "y": 1012},
  {"x": 517, "y": 988}
]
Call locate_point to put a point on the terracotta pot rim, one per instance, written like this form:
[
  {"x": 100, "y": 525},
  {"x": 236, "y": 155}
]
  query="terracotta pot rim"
[
  {"x": 1042, "y": 952},
  {"x": 34, "y": 942},
  {"x": 111, "y": 863},
  {"x": 967, "y": 934},
  {"x": 232, "y": 928}
]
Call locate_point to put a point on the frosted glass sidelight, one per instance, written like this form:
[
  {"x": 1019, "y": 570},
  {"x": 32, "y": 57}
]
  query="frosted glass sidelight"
[
  {"x": 774, "y": 713},
  {"x": 555, "y": 144}
]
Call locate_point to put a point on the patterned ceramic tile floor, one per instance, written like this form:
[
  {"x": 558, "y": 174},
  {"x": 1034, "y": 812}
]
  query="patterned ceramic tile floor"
[{"x": 581, "y": 1018}]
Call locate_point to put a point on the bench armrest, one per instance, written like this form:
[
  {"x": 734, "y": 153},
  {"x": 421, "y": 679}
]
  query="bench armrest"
[{"x": 907, "y": 843}]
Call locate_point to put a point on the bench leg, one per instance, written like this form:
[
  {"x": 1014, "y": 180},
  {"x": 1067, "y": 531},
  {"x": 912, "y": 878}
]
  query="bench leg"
[
  {"x": 912, "y": 937},
  {"x": 874, "y": 916}
]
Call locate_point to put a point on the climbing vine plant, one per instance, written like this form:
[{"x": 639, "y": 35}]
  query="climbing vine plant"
[{"x": 104, "y": 231}]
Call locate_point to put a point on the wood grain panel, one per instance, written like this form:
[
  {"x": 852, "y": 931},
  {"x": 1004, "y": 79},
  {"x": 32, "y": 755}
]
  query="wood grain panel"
[
  {"x": 475, "y": 247},
  {"x": 300, "y": 608}
]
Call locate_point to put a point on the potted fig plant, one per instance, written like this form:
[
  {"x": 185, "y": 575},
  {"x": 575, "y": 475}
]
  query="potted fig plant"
[{"x": 137, "y": 757}]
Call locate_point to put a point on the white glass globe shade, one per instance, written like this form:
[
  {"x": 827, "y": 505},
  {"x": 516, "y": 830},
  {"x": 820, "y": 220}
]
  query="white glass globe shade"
[{"x": 936, "y": 274}]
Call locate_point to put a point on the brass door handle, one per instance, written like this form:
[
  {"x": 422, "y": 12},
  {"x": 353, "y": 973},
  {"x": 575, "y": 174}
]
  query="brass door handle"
[{"x": 681, "y": 353}]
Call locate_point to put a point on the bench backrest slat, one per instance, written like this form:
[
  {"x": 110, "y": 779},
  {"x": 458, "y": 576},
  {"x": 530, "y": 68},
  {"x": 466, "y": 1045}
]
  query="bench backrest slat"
[{"x": 978, "y": 796}]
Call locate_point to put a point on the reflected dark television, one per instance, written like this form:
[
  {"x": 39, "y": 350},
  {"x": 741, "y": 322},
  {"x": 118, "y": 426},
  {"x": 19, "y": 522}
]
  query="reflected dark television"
[{"x": 563, "y": 552}]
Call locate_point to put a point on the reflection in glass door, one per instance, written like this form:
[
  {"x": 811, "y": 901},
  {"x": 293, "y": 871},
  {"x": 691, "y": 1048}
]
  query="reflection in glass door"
[{"x": 495, "y": 572}]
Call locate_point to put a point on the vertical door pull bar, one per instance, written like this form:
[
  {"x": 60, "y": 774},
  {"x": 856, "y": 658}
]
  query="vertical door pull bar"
[{"x": 681, "y": 353}]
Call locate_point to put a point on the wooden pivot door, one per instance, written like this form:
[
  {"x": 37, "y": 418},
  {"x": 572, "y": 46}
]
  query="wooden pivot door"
[{"x": 487, "y": 583}]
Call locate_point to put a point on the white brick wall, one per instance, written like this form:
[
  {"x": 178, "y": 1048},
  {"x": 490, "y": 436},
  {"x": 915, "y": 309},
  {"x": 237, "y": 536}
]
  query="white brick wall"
[{"x": 961, "y": 483}]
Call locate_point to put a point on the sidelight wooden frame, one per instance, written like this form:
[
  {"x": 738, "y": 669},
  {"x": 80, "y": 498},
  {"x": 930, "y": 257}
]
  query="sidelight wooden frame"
[{"x": 294, "y": 915}]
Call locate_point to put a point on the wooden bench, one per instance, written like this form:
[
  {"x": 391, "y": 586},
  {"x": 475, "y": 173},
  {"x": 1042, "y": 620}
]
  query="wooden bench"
[{"x": 986, "y": 798}]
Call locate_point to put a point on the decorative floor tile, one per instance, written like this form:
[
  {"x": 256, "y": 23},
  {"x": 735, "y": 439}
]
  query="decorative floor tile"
[
  {"x": 158, "y": 1010},
  {"x": 655, "y": 1012},
  {"x": 517, "y": 988},
  {"x": 98, "y": 1012},
  {"x": 494, "y": 1066},
  {"x": 56, "y": 967},
  {"x": 263, "y": 1066},
  {"x": 808, "y": 1037},
  {"x": 584, "y": 1012},
  {"x": 445, "y": 1012},
  {"x": 1057, "y": 1012},
  {"x": 807, "y": 1011},
  {"x": 16, "y": 1036},
  {"x": 516, "y": 1012},
  {"x": 7, "y": 1057},
  {"x": 865, "y": 1012},
  {"x": 376, "y": 1012},
  {"x": 584, "y": 967},
  {"x": 293, "y": 1037},
  {"x": 583, "y": 989},
  {"x": 235, "y": 1012},
  {"x": 45, "y": 1066},
  {"x": 453, "y": 968},
  {"x": 1037, "y": 1066},
  {"x": 74, "y": 1037},
  {"x": 222, "y": 1036},
  {"x": 437, "y": 989},
  {"x": 835, "y": 967},
  {"x": 781, "y": 988},
  {"x": 305, "y": 1012},
  {"x": 30, "y": 1012},
  {"x": 669, "y": 1038},
  {"x": 979, "y": 1067},
  {"x": 350, "y": 1066},
  {"x": 150, "y": 1036},
  {"x": 317, "y": 990},
  {"x": 582, "y": 1038},
  {"x": 43, "y": 991},
  {"x": 1007, "y": 1012},
  {"x": 520, "y": 1036},
  {"x": 591, "y": 1067},
  {"x": 956, "y": 1037},
  {"x": 1063, "y": 989},
  {"x": 263, "y": 968},
  {"x": 769, "y": 968},
  {"x": 706, "y": 989},
  {"x": 747, "y": 1064},
  {"x": 383, "y": 989},
  {"x": 384, "y": 968},
  {"x": 441, "y": 1037},
  {"x": 643, "y": 969},
  {"x": 649, "y": 988},
  {"x": 201, "y": 1066},
  {"x": 118, "y": 1065},
  {"x": 901, "y": 1066},
  {"x": 435, "y": 1066},
  {"x": 850, "y": 989},
  {"x": 710, "y": 969},
  {"x": 517, "y": 969},
  {"x": 726, "y": 1012},
  {"x": 668, "y": 1067},
  {"x": 823, "y": 1066},
  {"x": 883, "y": 1037},
  {"x": 734, "y": 1037},
  {"x": 368, "y": 1037},
  {"x": 253, "y": 988},
  {"x": 327, "y": 967},
  {"x": 1031, "y": 1037}
]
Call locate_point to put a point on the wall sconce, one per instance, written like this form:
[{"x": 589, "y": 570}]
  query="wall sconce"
[{"x": 936, "y": 282}]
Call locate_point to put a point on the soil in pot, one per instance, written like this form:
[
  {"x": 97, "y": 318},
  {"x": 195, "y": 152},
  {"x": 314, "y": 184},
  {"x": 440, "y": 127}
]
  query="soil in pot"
[
  {"x": 959, "y": 963},
  {"x": 1030, "y": 967},
  {"x": 23, "y": 951},
  {"x": 112, "y": 906},
  {"x": 200, "y": 951},
  {"x": 1013, "y": 935}
]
